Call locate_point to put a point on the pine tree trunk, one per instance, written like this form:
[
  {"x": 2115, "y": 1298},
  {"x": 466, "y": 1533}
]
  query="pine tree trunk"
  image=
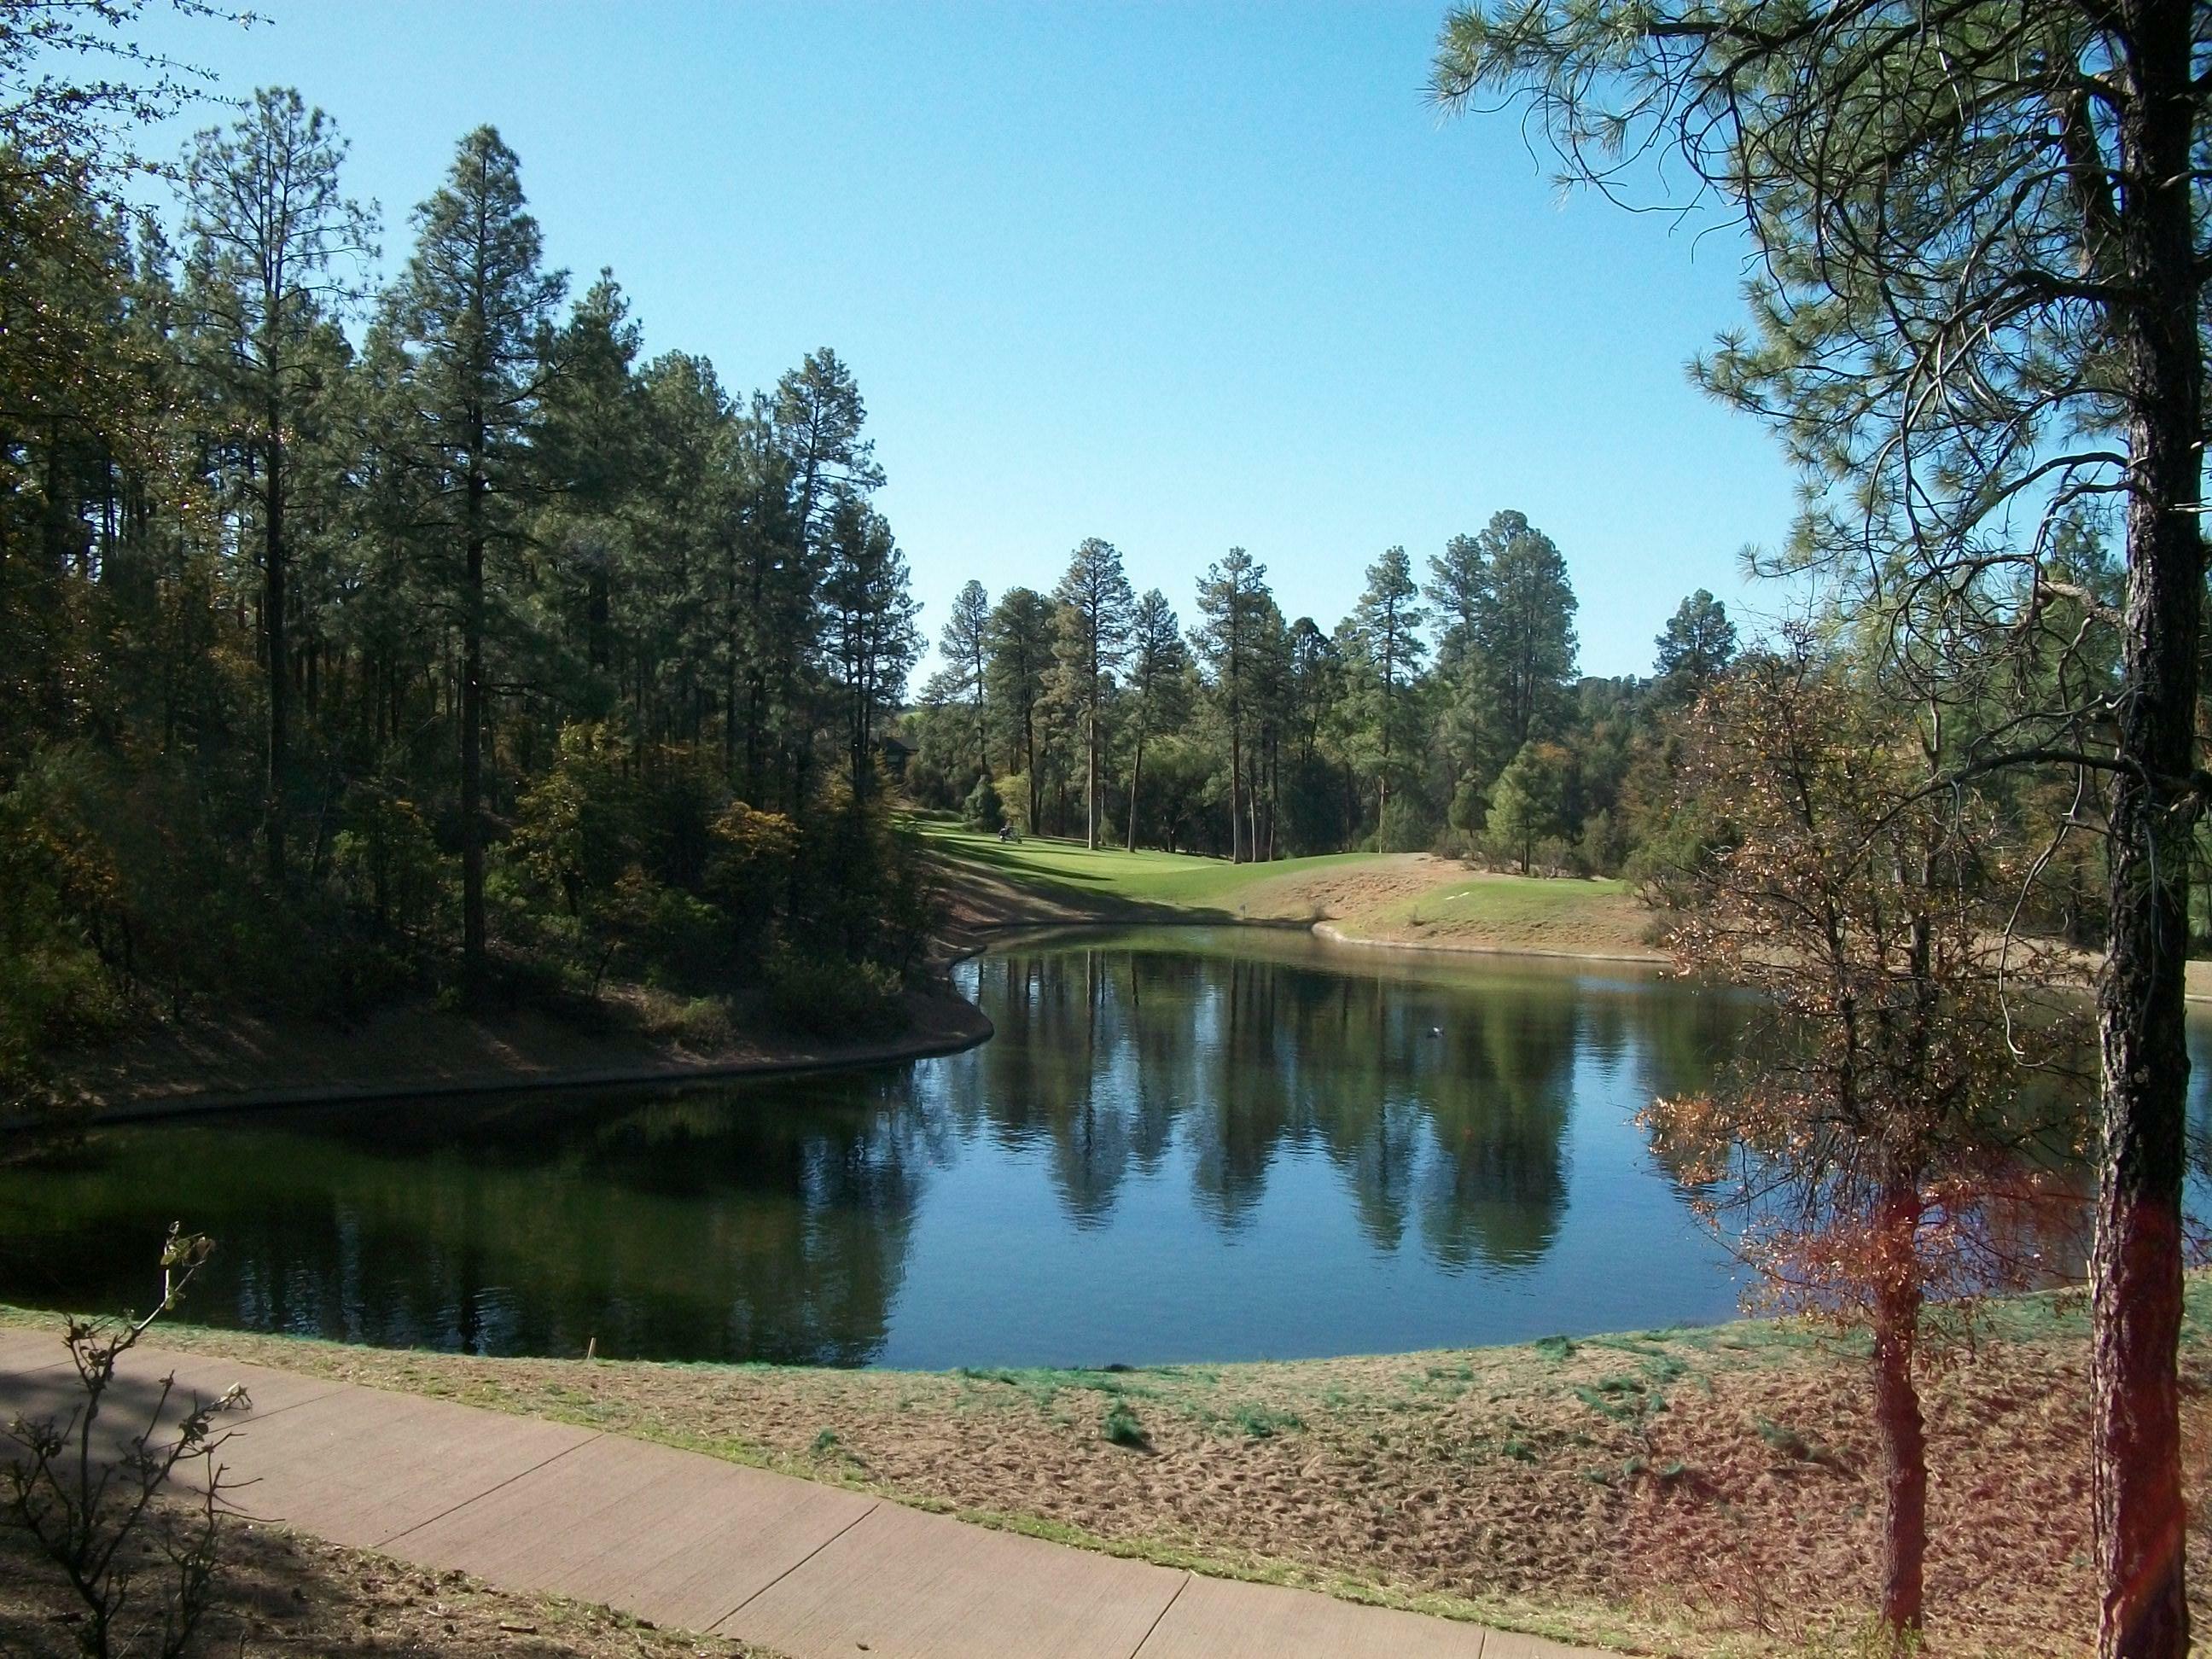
[
  {"x": 1897, "y": 1419},
  {"x": 1029, "y": 754},
  {"x": 1136, "y": 773},
  {"x": 1252, "y": 810},
  {"x": 1236, "y": 784},
  {"x": 2136, "y": 1264},
  {"x": 472, "y": 849},
  {"x": 1090, "y": 777},
  {"x": 273, "y": 601}
]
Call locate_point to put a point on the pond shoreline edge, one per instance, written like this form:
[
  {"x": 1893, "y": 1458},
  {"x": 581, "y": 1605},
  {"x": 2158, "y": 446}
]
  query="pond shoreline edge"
[{"x": 946, "y": 1023}]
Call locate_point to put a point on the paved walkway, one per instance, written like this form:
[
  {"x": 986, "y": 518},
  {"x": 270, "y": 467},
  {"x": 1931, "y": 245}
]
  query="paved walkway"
[{"x": 693, "y": 1543}]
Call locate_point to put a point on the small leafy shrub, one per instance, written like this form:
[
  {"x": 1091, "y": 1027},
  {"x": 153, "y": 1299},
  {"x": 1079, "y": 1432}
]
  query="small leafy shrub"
[
  {"x": 831, "y": 996},
  {"x": 684, "y": 938},
  {"x": 699, "y": 1024},
  {"x": 983, "y": 810}
]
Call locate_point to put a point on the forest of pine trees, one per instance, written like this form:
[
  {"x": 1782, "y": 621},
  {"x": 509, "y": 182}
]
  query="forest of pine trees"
[
  {"x": 359, "y": 639},
  {"x": 1445, "y": 712}
]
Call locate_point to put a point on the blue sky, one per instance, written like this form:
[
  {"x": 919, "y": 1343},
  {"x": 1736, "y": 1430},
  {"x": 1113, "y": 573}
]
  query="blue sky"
[{"x": 1178, "y": 275}]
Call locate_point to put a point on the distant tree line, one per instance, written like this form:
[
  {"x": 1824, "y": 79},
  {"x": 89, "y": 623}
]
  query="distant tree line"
[
  {"x": 1444, "y": 712},
  {"x": 358, "y": 638}
]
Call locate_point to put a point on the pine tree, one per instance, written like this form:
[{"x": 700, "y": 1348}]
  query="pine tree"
[
  {"x": 1020, "y": 666},
  {"x": 1388, "y": 621},
  {"x": 1978, "y": 297},
  {"x": 273, "y": 247},
  {"x": 817, "y": 414},
  {"x": 873, "y": 640},
  {"x": 1698, "y": 644},
  {"x": 1093, "y": 605},
  {"x": 965, "y": 644},
  {"x": 1458, "y": 589},
  {"x": 1524, "y": 630},
  {"x": 1158, "y": 678},
  {"x": 1229, "y": 602},
  {"x": 472, "y": 311}
]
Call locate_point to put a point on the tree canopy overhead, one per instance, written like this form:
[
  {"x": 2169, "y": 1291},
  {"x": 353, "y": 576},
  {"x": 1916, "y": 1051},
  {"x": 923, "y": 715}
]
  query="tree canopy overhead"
[{"x": 1978, "y": 324}]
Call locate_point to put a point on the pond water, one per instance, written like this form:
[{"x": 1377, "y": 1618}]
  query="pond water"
[{"x": 1181, "y": 1144}]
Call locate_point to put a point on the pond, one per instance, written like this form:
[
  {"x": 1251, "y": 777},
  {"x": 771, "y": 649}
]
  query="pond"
[{"x": 1182, "y": 1145}]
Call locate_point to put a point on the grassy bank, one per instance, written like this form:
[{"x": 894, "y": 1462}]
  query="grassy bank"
[
  {"x": 1393, "y": 899},
  {"x": 1704, "y": 1491}
]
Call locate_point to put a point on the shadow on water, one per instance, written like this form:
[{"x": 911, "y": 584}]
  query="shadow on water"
[{"x": 1182, "y": 1144}]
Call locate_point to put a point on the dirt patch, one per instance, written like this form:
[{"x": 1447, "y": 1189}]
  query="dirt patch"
[
  {"x": 283, "y": 1593},
  {"x": 1592, "y": 923},
  {"x": 1328, "y": 894},
  {"x": 1700, "y": 1491},
  {"x": 1433, "y": 903}
]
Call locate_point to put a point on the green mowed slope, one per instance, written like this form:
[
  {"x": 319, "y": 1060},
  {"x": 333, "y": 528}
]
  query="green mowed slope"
[{"x": 1110, "y": 876}]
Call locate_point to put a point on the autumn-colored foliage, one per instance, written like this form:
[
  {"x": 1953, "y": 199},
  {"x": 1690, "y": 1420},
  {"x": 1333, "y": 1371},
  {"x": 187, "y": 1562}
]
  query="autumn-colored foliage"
[{"x": 1902, "y": 1133}]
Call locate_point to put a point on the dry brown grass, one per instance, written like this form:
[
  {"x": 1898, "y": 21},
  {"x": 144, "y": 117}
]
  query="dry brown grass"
[{"x": 1702, "y": 1491}]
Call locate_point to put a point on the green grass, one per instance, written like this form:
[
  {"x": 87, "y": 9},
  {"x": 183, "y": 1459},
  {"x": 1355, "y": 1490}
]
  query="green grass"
[
  {"x": 1110, "y": 877},
  {"x": 1120, "y": 1427},
  {"x": 1259, "y": 1423},
  {"x": 1495, "y": 899}
]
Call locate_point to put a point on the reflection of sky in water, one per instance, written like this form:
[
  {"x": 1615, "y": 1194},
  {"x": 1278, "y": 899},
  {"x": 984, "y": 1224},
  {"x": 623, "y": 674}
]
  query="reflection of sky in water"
[
  {"x": 2200, "y": 1111},
  {"x": 1180, "y": 1145}
]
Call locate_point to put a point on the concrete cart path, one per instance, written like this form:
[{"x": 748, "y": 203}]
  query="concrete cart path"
[{"x": 694, "y": 1542}]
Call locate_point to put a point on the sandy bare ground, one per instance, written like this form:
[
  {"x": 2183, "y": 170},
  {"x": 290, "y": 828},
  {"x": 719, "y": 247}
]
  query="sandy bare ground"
[
  {"x": 280, "y": 1594},
  {"x": 1347, "y": 890},
  {"x": 1709, "y": 1492},
  {"x": 1417, "y": 899}
]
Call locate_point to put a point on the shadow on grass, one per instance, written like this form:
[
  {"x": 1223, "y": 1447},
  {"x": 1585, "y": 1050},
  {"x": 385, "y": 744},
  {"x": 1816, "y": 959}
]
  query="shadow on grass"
[
  {"x": 1005, "y": 859},
  {"x": 1072, "y": 886}
]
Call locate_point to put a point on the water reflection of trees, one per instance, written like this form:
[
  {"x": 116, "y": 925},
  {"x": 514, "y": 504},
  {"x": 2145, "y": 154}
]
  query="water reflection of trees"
[
  {"x": 1441, "y": 1101},
  {"x": 2023, "y": 1215},
  {"x": 709, "y": 1225},
  {"x": 775, "y": 1222}
]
